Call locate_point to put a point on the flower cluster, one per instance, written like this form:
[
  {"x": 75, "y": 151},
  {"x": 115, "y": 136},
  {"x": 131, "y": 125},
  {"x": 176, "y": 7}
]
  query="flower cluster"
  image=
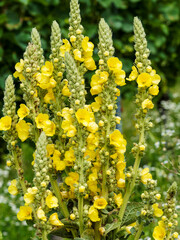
[{"x": 81, "y": 186}]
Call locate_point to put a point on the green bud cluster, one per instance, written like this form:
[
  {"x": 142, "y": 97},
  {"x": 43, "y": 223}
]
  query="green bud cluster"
[{"x": 142, "y": 52}]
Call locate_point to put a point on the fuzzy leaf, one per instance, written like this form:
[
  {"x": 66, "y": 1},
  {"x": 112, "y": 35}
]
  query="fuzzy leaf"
[{"x": 88, "y": 234}]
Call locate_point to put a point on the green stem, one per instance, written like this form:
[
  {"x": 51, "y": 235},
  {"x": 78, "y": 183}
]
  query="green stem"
[
  {"x": 44, "y": 235},
  {"x": 81, "y": 181},
  {"x": 130, "y": 187},
  {"x": 97, "y": 233},
  {"x": 62, "y": 206},
  {"x": 138, "y": 234}
]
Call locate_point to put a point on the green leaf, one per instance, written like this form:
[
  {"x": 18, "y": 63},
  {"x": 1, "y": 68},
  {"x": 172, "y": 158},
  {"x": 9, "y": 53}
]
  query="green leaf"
[
  {"x": 105, "y": 3},
  {"x": 88, "y": 234},
  {"x": 115, "y": 21},
  {"x": 130, "y": 213},
  {"x": 120, "y": 4},
  {"x": 25, "y": 2},
  {"x": 64, "y": 231}
]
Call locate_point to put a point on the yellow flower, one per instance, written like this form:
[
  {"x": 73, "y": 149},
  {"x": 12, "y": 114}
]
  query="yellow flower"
[
  {"x": 100, "y": 203},
  {"x": 19, "y": 69},
  {"x": 121, "y": 183},
  {"x": 57, "y": 163},
  {"x": 128, "y": 228},
  {"x": 51, "y": 201},
  {"x": 90, "y": 63},
  {"x": 47, "y": 69},
  {"x": 5, "y": 123},
  {"x": 68, "y": 128},
  {"x": 155, "y": 79},
  {"x": 23, "y": 111},
  {"x": 65, "y": 90},
  {"x": 145, "y": 175},
  {"x": 24, "y": 213},
  {"x": 72, "y": 179},
  {"x": 159, "y": 233},
  {"x": 41, "y": 119},
  {"x": 12, "y": 189},
  {"x": 93, "y": 214},
  {"x": 28, "y": 198},
  {"x": 50, "y": 149},
  {"x": 118, "y": 199},
  {"x": 83, "y": 116},
  {"x": 97, "y": 104},
  {"x": 133, "y": 75},
  {"x": 69, "y": 157},
  {"x": 120, "y": 165},
  {"x": 65, "y": 48},
  {"x": 49, "y": 96},
  {"x": 147, "y": 104},
  {"x": 77, "y": 55},
  {"x": 114, "y": 64},
  {"x": 116, "y": 139},
  {"x": 96, "y": 90},
  {"x": 144, "y": 80},
  {"x": 49, "y": 128},
  {"x": 22, "y": 129},
  {"x": 154, "y": 90},
  {"x": 92, "y": 127},
  {"x": 41, "y": 214},
  {"x": 157, "y": 211},
  {"x": 54, "y": 220},
  {"x": 120, "y": 78},
  {"x": 103, "y": 77},
  {"x": 87, "y": 46}
]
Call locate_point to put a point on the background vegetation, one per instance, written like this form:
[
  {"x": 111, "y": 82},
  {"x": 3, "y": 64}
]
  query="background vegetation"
[{"x": 161, "y": 22}]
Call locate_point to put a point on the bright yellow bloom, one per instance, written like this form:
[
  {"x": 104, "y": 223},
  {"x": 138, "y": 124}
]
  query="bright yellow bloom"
[
  {"x": 159, "y": 233},
  {"x": 69, "y": 157},
  {"x": 65, "y": 48},
  {"x": 5, "y": 123},
  {"x": 54, "y": 220},
  {"x": 47, "y": 69},
  {"x": 49, "y": 96},
  {"x": 22, "y": 129},
  {"x": 65, "y": 90},
  {"x": 49, "y": 128},
  {"x": 51, "y": 201},
  {"x": 114, "y": 64},
  {"x": 83, "y": 116},
  {"x": 157, "y": 211},
  {"x": 93, "y": 214},
  {"x": 120, "y": 165},
  {"x": 23, "y": 111},
  {"x": 96, "y": 90},
  {"x": 97, "y": 104},
  {"x": 154, "y": 90},
  {"x": 92, "y": 127},
  {"x": 41, "y": 119},
  {"x": 147, "y": 104},
  {"x": 144, "y": 80},
  {"x": 87, "y": 46},
  {"x": 120, "y": 77},
  {"x": 155, "y": 79},
  {"x": 103, "y": 77},
  {"x": 41, "y": 214},
  {"x": 12, "y": 189},
  {"x": 57, "y": 163},
  {"x": 19, "y": 69},
  {"x": 78, "y": 55},
  {"x": 133, "y": 75},
  {"x": 28, "y": 198},
  {"x": 72, "y": 179},
  {"x": 116, "y": 139},
  {"x": 100, "y": 203},
  {"x": 128, "y": 228},
  {"x": 24, "y": 213},
  {"x": 121, "y": 183},
  {"x": 50, "y": 149},
  {"x": 145, "y": 175},
  {"x": 118, "y": 199},
  {"x": 90, "y": 63},
  {"x": 68, "y": 128}
]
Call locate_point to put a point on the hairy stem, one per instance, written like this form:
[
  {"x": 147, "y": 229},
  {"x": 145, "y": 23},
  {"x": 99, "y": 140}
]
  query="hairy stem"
[
  {"x": 138, "y": 234},
  {"x": 97, "y": 233}
]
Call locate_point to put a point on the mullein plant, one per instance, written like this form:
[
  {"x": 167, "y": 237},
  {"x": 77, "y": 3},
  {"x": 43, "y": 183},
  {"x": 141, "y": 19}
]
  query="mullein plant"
[{"x": 81, "y": 187}]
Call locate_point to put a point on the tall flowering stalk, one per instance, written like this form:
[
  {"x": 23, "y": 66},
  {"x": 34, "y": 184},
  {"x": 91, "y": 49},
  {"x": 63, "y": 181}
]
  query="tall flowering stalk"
[{"x": 81, "y": 188}]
